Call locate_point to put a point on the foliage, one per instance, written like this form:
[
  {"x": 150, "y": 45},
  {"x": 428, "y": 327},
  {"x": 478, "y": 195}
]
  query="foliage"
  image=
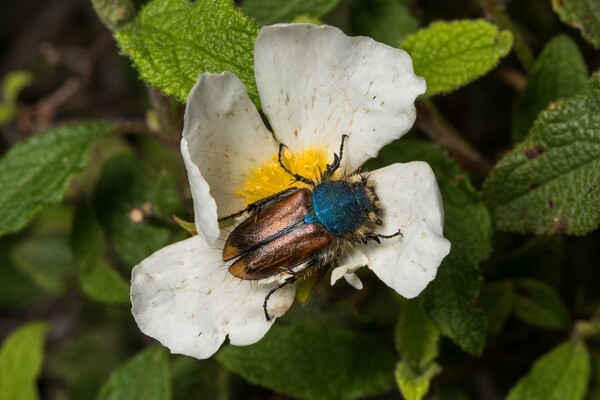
[
  {"x": 21, "y": 357},
  {"x": 451, "y": 54},
  {"x": 172, "y": 41},
  {"x": 267, "y": 12},
  {"x": 583, "y": 15},
  {"x": 549, "y": 182},
  {"x": 92, "y": 182},
  {"x": 36, "y": 172},
  {"x": 334, "y": 364}
]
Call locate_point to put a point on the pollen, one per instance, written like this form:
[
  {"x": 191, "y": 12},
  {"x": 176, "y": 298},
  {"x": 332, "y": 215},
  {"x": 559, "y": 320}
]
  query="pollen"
[{"x": 270, "y": 178}]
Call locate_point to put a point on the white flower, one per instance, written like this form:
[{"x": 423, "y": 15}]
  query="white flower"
[{"x": 315, "y": 85}]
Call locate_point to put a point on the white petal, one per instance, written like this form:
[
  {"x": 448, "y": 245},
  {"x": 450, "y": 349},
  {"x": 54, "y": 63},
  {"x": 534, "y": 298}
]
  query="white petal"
[
  {"x": 225, "y": 139},
  {"x": 316, "y": 84},
  {"x": 411, "y": 201},
  {"x": 349, "y": 263},
  {"x": 183, "y": 296}
]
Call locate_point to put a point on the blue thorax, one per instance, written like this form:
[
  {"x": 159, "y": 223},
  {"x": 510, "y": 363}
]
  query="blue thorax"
[{"x": 339, "y": 206}]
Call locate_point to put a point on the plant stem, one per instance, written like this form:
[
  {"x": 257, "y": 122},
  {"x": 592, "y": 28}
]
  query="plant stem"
[
  {"x": 433, "y": 123},
  {"x": 493, "y": 11}
]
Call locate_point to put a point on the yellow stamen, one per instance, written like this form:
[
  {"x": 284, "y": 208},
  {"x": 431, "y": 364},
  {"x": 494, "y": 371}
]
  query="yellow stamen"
[{"x": 270, "y": 178}]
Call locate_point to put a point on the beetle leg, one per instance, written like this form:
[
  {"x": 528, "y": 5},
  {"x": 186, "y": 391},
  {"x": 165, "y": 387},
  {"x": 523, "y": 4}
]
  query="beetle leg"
[
  {"x": 331, "y": 168},
  {"x": 376, "y": 236},
  {"x": 296, "y": 176},
  {"x": 288, "y": 281}
]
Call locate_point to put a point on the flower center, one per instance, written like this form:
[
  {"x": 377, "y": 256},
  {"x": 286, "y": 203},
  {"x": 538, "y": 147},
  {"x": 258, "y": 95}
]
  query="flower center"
[{"x": 270, "y": 178}]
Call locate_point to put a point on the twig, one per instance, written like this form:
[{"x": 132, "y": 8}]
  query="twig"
[
  {"x": 139, "y": 127},
  {"x": 433, "y": 123},
  {"x": 493, "y": 11},
  {"x": 512, "y": 77}
]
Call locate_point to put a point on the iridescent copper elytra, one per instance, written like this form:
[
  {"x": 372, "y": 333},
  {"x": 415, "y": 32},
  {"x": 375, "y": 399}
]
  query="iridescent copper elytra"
[{"x": 301, "y": 231}]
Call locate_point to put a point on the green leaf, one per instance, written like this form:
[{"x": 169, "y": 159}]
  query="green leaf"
[
  {"x": 497, "y": 300},
  {"x": 450, "y": 303},
  {"x": 449, "y": 299},
  {"x": 539, "y": 305},
  {"x": 17, "y": 291},
  {"x": 594, "y": 393},
  {"x": 451, "y": 54},
  {"x": 189, "y": 227},
  {"x": 12, "y": 84},
  {"x": 559, "y": 72},
  {"x": 47, "y": 260},
  {"x": 99, "y": 280},
  {"x": 416, "y": 336},
  {"x": 268, "y": 12},
  {"x": 173, "y": 41},
  {"x": 562, "y": 374},
  {"x": 413, "y": 385},
  {"x": 114, "y": 13},
  {"x": 146, "y": 376},
  {"x": 20, "y": 362},
  {"x": 314, "y": 362},
  {"x": 387, "y": 21},
  {"x": 132, "y": 210},
  {"x": 549, "y": 183},
  {"x": 36, "y": 172},
  {"x": 583, "y": 15},
  {"x": 194, "y": 379}
]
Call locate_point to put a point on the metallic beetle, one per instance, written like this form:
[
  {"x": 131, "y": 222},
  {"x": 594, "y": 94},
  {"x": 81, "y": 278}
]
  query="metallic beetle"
[{"x": 300, "y": 231}]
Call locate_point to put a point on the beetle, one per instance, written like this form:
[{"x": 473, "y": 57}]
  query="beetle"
[{"x": 300, "y": 231}]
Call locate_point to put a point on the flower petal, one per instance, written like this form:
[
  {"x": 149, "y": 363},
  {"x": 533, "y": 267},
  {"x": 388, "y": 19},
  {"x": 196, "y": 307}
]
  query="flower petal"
[
  {"x": 316, "y": 84},
  {"x": 183, "y": 296},
  {"x": 349, "y": 263},
  {"x": 411, "y": 201},
  {"x": 225, "y": 139}
]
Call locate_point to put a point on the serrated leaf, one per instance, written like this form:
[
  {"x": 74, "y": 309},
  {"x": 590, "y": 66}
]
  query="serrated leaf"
[
  {"x": 559, "y": 72},
  {"x": 314, "y": 362},
  {"x": 561, "y": 374},
  {"x": 415, "y": 385},
  {"x": 449, "y": 299},
  {"x": 21, "y": 361},
  {"x": 450, "y": 303},
  {"x": 126, "y": 199},
  {"x": 583, "y": 15},
  {"x": 549, "y": 183},
  {"x": 539, "y": 305},
  {"x": 497, "y": 300},
  {"x": 146, "y": 376},
  {"x": 268, "y": 12},
  {"x": 416, "y": 336},
  {"x": 387, "y": 21},
  {"x": 173, "y": 41},
  {"x": 36, "y": 172},
  {"x": 451, "y": 54}
]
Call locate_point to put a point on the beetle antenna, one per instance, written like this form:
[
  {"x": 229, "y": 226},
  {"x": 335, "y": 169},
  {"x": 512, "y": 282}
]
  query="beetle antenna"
[{"x": 298, "y": 177}]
